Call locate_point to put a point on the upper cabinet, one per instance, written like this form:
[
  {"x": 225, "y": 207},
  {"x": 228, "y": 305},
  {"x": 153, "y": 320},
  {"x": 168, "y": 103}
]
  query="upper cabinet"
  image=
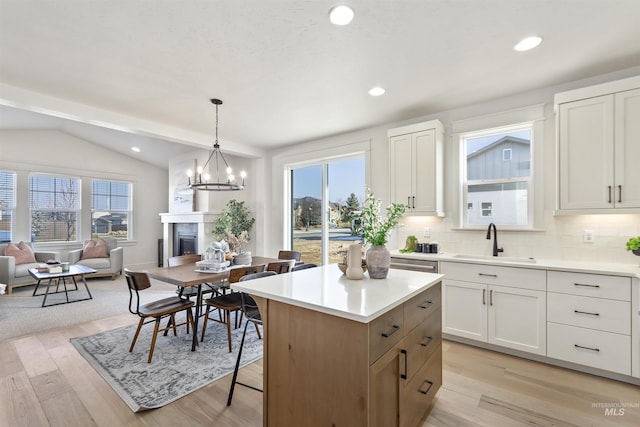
[
  {"x": 415, "y": 155},
  {"x": 598, "y": 135}
]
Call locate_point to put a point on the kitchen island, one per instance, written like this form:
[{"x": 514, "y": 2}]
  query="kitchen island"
[{"x": 349, "y": 353}]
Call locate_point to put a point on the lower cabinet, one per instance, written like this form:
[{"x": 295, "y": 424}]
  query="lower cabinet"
[
  {"x": 404, "y": 380},
  {"x": 510, "y": 313},
  {"x": 589, "y": 321},
  {"x": 326, "y": 370}
]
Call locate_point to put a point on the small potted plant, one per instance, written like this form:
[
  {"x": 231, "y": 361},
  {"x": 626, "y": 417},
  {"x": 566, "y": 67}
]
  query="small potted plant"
[
  {"x": 375, "y": 230},
  {"x": 234, "y": 225},
  {"x": 633, "y": 245}
]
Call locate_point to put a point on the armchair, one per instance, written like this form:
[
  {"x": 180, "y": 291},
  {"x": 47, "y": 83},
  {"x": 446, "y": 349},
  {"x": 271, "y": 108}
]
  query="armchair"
[
  {"x": 14, "y": 275},
  {"x": 111, "y": 265}
]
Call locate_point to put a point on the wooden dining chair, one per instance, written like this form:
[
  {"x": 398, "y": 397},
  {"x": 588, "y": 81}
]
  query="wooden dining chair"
[
  {"x": 156, "y": 310},
  {"x": 252, "y": 314},
  {"x": 289, "y": 255},
  {"x": 281, "y": 266},
  {"x": 231, "y": 302}
]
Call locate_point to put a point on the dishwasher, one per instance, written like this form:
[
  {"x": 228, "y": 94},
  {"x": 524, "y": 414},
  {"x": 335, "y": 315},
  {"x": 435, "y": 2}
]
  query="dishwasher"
[{"x": 425, "y": 265}]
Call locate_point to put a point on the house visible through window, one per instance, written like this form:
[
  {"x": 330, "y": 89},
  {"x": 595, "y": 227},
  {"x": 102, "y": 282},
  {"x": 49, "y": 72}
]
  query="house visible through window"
[
  {"x": 7, "y": 205},
  {"x": 110, "y": 209},
  {"x": 54, "y": 202},
  {"x": 497, "y": 176}
]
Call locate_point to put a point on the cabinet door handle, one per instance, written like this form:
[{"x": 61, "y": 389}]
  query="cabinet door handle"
[
  {"x": 429, "y": 341},
  {"x": 426, "y": 304},
  {"x": 586, "y": 286},
  {"x": 586, "y": 312},
  {"x": 395, "y": 329},
  {"x": 413, "y": 202},
  {"x": 487, "y": 275},
  {"x": 609, "y": 194},
  {"x": 409, "y": 202},
  {"x": 491, "y": 297},
  {"x": 425, "y": 391},
  {"x": 619, "y": 193},
  {"x": 586, "y": 348},
  {"x": 484, "y": 300},
  {"x": 406, "y": 365}
]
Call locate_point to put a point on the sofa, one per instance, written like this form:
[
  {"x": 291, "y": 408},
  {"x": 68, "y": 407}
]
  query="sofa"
[
  {"x": 103, "y": 255},
  {"x": 14, "y": 275}
]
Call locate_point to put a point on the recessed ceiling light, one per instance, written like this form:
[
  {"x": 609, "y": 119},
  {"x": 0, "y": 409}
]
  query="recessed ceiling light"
[
  {"x": 136, "y": 149},
  {"x": 528, "y": 43},
  {"x": 341, "y": 15},
  {"x": 376, "y": 91}
]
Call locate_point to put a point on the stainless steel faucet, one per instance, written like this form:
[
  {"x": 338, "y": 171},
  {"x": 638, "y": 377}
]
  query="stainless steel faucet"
[{"x": 496, "y": 249}]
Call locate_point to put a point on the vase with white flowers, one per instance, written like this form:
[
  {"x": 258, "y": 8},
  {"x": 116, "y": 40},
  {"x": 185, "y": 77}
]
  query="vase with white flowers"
[{"x": 375, "y": 228}]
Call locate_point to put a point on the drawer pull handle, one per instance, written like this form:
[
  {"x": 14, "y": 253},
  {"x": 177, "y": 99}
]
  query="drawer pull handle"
[
  {"x": 429, "y": 341},
  {"x": 586, "y": 286},
  {"x": 487, "y": 275},
  {"x": 586, "y": 348},
  {"x": 586, "y": 312},
  {"x": 406, "y": 365},
  {"x": 423, "y": 391},
  {"x": 395, "y": 329},
  {"x": 426, "y": 304}
]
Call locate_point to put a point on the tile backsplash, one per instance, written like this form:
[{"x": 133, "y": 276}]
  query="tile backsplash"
[{"x": 561, "y": 239}]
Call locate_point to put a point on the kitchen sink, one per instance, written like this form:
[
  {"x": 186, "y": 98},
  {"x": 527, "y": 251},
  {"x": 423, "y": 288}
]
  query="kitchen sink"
[{"x": 496, "y": 258}]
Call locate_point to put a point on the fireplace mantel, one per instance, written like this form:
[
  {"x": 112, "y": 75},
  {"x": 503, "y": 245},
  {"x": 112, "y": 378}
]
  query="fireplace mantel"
[{"x": 205, "y": 221}]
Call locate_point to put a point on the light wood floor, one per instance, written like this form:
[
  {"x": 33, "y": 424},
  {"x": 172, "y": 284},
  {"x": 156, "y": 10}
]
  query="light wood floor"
[{"x": 45, "y": 382}]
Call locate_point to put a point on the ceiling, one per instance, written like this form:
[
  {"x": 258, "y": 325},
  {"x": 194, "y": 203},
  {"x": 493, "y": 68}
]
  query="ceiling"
[{"x": 286, "y": 75}]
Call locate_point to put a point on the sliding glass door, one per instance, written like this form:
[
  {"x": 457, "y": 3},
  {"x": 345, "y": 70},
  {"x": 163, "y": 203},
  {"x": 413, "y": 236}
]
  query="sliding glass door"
[{"x": 323, "y": 197}]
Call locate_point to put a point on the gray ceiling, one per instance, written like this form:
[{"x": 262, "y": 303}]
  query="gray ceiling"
[{"x": 285, "y": 74}]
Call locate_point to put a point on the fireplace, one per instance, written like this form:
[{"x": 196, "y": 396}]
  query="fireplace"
[
  {"x": 186, "y": 233},
  {"x": 185, "y": 238}
]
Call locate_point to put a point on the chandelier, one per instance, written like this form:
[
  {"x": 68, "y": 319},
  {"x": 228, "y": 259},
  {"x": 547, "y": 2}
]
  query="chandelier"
[{"x": 203, "y": 179}]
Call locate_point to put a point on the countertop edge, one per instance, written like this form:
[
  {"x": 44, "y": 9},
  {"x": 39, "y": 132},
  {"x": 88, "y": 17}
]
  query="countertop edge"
[{"x": 335, "y": 312}]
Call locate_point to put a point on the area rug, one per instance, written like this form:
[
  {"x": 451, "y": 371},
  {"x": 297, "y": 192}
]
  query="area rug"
[{"x": 175, "y": 370}]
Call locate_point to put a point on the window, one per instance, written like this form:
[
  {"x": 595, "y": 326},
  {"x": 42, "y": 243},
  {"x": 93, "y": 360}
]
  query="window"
[
  {"x": 54, "y": 202},
  {"x": 110, "y": 209},
  {"x": 7, "y": 205},
  {"x": 497, "y": 176}
]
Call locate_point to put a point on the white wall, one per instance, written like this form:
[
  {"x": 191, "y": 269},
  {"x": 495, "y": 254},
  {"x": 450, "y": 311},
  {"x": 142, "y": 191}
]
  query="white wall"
[
  {"x": 558, "y": 238},
  {"x": 52, "y": 151}
]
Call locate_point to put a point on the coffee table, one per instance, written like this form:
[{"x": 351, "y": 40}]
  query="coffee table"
[{"x": 60, "y": 279}]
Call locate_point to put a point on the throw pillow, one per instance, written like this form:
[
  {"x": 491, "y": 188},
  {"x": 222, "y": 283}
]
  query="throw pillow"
[
  {"x": 22, "y": 253},
  {"x": 94, "y": 249}
]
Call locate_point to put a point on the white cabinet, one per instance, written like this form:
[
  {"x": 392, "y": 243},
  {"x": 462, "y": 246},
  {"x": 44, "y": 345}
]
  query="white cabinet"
[
  {"x": 500, "y": 305},
  {"x": 589, "y": 320},
  {"x": 415, "y": 156},
  {"x": 599, "y": 148}
]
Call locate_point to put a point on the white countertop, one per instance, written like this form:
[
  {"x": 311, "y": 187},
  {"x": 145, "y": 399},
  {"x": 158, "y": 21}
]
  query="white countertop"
[
  {"x": 327, "y": 290},
  {"x": 627, "y": 270}
]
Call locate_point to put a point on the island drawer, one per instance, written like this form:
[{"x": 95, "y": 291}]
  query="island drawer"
[
  {"x": 418, "y": 391},
  {"x": 421, "y": 306},
  {"x": 525, "y": 278},
  {"x": 595, "y": 313},
  {"x": 421, "y": 342},
  {"x": 590, "y": 285},
  {"x": 385, "y": 331},
  {"x": 602, "y": 350}
]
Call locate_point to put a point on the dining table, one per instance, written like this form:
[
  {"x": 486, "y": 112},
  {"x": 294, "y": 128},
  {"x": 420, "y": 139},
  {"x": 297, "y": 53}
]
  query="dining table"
[{"x": 190, "y": 275}]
